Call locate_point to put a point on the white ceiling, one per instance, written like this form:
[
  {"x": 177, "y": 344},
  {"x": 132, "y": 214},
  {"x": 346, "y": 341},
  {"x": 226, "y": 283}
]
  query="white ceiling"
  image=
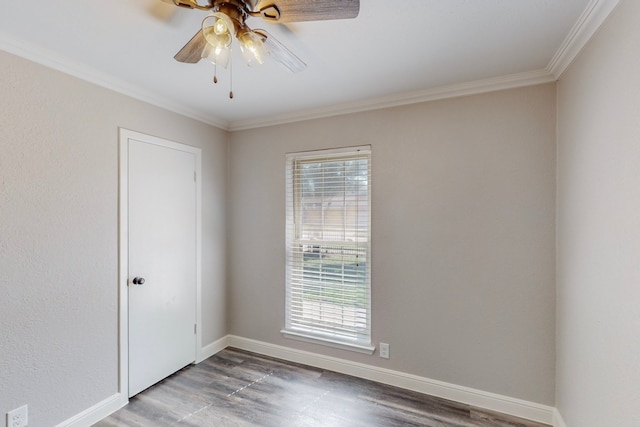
[{"x": 394, "y": 52}]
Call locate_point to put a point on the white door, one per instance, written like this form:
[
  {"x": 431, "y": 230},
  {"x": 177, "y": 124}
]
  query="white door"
[{"x": 162, "y": 261}]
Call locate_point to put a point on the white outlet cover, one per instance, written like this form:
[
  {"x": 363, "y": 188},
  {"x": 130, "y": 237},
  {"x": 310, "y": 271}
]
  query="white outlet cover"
[
  {"x": 18, "y": 417},
  {"x": 384, "y": 350}
]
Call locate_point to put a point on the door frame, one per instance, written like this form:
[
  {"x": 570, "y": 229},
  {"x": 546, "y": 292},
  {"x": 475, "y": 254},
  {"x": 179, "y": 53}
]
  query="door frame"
[{"x": 123, "y": 248}]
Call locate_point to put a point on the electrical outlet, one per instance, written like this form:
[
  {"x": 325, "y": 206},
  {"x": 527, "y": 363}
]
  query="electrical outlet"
[
  {"x": 384, "y": 350},
  {"x": 17, "y": 417}
]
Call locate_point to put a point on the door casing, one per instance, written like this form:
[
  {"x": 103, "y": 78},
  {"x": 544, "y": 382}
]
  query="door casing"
[{"x": 123, "y": 253}]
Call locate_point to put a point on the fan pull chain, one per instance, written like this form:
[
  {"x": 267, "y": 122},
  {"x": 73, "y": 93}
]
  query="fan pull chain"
[
  {"x": 230, "y": 78},
  {"x": 215, "y": 73}
]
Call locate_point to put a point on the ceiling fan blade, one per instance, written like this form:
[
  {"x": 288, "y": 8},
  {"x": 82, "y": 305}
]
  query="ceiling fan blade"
[
  {"x": 281, "y": 54},
  {"x": 307, "y": 10},
  {"x": 192, "y": 51}
]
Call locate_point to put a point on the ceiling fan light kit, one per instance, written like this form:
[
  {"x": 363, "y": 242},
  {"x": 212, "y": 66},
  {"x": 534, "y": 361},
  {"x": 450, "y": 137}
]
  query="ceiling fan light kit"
[
  {"x": 228, "y": 21},
  {"x": 218, "y": 31}
]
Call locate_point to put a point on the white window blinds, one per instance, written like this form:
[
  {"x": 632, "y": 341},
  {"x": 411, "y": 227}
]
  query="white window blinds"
[{"x": 328, "y": 245}]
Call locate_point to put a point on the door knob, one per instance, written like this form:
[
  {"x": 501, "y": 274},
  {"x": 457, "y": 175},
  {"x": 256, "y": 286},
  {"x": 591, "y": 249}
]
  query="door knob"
[{"x": 138, "y": 280}]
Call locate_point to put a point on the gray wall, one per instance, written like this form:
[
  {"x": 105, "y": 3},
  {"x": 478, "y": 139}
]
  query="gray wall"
[
  {"x": 463, "y": 233},
  {"x": 598, "y": 280},
  {"x": 58, "y": 235},
  {"x": 463, "y": 218}
]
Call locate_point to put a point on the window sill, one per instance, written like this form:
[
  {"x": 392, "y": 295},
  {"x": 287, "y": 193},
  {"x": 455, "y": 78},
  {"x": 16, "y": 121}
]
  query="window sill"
[{"x": 359, "y": 348}]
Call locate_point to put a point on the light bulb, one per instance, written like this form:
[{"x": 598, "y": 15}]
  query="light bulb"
[{"x": 220, "y": 27}]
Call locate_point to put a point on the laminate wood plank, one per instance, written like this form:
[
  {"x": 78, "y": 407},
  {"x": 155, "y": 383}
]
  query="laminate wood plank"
[{"x": 236, "y": 388}]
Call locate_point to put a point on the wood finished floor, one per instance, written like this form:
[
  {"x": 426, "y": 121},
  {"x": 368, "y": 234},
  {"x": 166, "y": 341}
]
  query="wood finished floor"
[{"x": 235, "y": 388}]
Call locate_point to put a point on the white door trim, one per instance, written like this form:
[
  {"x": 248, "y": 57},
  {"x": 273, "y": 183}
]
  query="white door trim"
[{"x": 123, "y": 249}]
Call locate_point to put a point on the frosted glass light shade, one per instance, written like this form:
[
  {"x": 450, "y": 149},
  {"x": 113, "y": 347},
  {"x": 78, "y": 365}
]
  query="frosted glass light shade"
[
  {"x": 218, "y": 30},
  {"x": 253, "y": 48},
  {"x": 217, "y": 55}
]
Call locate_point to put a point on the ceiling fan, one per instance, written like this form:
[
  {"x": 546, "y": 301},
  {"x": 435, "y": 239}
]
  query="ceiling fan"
[{"x": 227, "y": 20}]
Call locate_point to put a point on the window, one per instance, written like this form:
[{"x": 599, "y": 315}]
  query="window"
[{"x": 328, "y": 289}]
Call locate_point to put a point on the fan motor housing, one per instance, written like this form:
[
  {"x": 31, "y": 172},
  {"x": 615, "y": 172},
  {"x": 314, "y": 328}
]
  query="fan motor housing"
[{"x": 236, "y": 10}]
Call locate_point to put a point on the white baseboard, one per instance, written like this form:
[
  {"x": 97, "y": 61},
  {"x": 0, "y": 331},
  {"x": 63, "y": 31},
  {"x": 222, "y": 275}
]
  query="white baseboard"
[
  {"x": 210, "y": 349},
  {"x": 111, "y": 404},
  {"x": 557, "y": 419},
  {"x": 494, "y": 402},
  {"x": 97, "y": 412}
]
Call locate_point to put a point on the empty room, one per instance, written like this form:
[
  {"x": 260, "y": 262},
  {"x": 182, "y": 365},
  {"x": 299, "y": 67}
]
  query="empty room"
[{"x": 320, "y": 213}]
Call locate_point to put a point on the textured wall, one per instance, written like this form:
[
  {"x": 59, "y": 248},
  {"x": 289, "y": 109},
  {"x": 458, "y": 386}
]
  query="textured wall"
[
  {"x": 463, "y": 248},
  {"x": 58, "y": 235},
  {"x": 598, "y": 281}
]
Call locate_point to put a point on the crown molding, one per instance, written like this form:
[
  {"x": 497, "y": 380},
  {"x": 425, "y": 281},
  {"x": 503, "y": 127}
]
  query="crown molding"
[
  {"x": 587, "y": 25},
  {"x": 60, "y": 63},
  {"x": 65, "y": 65},
  {"x": 591, "y": 19},
  {"x": 442, "y": 92}
]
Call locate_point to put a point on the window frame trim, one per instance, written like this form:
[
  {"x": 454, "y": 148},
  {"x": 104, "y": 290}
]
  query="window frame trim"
[
  {"x": 317, "y": 339},
  {"x": 308, "y": 336}
]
